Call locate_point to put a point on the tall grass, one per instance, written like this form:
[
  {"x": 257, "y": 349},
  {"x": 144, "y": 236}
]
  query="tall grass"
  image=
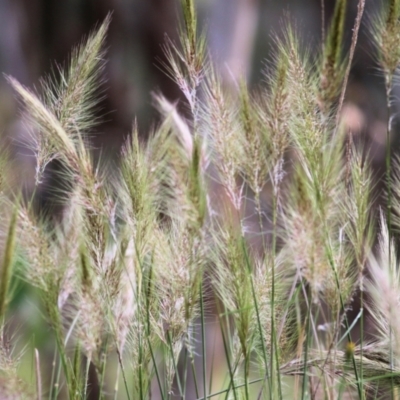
[{"x": 254, "y": 210}]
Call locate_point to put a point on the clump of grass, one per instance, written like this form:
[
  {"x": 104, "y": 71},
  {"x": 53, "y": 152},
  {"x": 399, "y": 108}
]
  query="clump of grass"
[
  {"x": 386, "y": 33},
  {"x": 141, "y": 256}
]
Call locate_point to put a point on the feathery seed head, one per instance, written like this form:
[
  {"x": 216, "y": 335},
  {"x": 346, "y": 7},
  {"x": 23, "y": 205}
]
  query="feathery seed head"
[
  {"x": 386, "y": 34},
  {"x": 332, "y": 67},
  {"x": 385, "y": 278}
]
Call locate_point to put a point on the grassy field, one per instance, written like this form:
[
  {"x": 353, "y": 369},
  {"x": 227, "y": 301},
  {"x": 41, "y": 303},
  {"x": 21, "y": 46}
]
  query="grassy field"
[{"x": 235, "y": 254}]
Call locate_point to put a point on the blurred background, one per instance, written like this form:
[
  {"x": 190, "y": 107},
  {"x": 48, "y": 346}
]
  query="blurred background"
[{"x": 36, "y": 36}]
